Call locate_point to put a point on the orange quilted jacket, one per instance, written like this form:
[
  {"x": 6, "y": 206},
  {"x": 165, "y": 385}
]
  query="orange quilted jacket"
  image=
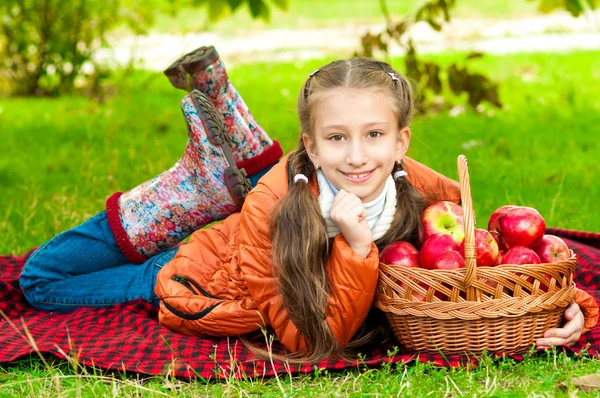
[{"x": 223, "y": 283}]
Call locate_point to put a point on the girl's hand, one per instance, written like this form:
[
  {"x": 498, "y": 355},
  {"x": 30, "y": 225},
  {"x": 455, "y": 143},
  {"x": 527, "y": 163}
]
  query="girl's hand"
[
  {"x": 567, "y": 335},
  {"x": 349, "y": 214}
]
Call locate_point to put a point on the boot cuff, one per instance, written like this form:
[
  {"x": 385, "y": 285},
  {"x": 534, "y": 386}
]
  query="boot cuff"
[
  {"x": 266, "y": 158},
  {"x": 114, "y": 221}
]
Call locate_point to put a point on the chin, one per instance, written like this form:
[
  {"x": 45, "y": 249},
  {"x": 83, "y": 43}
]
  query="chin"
[
  {"x": 361, "y": 193},
  {"x": 366, "y": 195}
]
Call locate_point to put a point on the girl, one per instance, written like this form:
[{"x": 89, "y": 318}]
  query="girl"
[{"x": 302, "y": 254}]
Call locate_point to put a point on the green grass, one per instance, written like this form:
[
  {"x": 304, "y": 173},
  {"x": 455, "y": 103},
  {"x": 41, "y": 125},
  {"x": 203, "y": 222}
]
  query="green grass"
[
  {"x": 61, "y": 158},
  {"x": 301, "y": 14},
  {"x": 538, "y": 375}
]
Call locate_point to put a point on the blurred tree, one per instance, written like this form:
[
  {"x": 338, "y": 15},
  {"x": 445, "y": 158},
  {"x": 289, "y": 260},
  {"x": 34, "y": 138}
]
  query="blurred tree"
[
  {"x": 429, "y": 76},
  {"x": 45, "y": 43},
  {"x": 575, "y": 7},
  {"x": 218, "y": 9}
]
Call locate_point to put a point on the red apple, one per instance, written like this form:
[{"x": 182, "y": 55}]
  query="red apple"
[
  {"x": 521, "y": 226},
  {"x": 552, "y": 249},
  {"x": 423, "y": 297},
  {"x": 493, "y": 226},
  {"x": 493, "y": 223},
  {"x": 450, "y": 260},
  {"x": 499, "y": 241},
  {"x": 520, "y": 255},
  {"x": 400, "y": 253},
  {"x": 443, "y": 217},
  {"x": 543, "y": 284},
  {"x": 417, "y": 295},
  {"x": 493, "y": 284},
  {"x": 501, "y": 254},
  {"x": 487, "y": 248},
  {"x": 434, "y": 247},
  {"x": 405, "y": 255}
]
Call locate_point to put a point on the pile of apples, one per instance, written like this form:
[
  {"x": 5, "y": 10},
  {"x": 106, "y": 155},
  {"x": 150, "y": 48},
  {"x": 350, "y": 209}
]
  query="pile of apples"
[{"x": 515, "y": 235}]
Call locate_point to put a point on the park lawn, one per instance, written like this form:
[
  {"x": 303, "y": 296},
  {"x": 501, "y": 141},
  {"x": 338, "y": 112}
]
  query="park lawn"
[
  {"x": 61, "y": 158},
  {"x": 301, "y": 14},
  {"x": 537, "y": 375}
]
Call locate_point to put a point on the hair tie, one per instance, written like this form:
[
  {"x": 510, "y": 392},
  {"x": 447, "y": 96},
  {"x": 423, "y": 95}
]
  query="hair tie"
[
  {"x": 300, "y": 177},
  {"x": 391, "y": 74},
  {"x": 307, "y": 84},
  {"x": 399, "y": 174}
]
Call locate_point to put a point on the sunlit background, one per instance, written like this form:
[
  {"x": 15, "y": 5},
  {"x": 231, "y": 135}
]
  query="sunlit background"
[{"x": 86, "y": 111}]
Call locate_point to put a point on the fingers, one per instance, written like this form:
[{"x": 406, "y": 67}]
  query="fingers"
[
  {"x": 562, "y": 333},
  {"x": 344, "y": 197},
  {"x": 340, "y": 195},
  {"x": 347, "y": 204},
  {"x": 542, "y": 344},
  {"x": 572, "y": 327},
  {"x": 572, "y": 311},
  {"x": 558, "y": 337},
  {"x": 568, "y": 335}
]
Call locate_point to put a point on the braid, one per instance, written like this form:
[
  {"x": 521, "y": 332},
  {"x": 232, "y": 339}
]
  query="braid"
[
  {"x": 407, "y": 98},
  {"x": 406, "y": 225},
  {"x": 300, "y": 253},
  {"x": 301, "y": 246}
]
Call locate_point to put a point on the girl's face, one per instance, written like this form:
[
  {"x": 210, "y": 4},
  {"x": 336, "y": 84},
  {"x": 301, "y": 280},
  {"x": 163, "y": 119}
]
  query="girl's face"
[{"x": 356, "y": 139}]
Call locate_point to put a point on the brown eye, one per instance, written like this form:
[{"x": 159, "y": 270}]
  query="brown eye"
[
  {"x": 374, "y": 134},
  {"x": 337, "y": 137}
]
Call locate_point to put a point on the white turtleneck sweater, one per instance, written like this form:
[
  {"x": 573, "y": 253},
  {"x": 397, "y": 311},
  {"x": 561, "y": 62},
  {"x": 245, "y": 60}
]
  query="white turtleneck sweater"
[{"x": 380, "y": 211}]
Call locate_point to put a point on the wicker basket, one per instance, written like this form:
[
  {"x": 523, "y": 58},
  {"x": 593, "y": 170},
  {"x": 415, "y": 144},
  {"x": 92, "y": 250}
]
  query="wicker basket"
[{"x": 498, "y": 309}]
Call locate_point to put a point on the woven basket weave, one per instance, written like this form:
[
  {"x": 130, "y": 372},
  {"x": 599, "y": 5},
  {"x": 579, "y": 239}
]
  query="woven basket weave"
[{"x": 499, "y": 309}]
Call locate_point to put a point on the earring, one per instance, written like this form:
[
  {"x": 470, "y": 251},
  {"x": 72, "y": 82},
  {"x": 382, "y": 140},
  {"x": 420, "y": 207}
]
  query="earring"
[{"x": 316, "y": 166}]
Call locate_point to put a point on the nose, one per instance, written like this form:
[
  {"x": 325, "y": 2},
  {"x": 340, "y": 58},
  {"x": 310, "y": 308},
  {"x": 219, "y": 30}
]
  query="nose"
[{"x": 357, "y": 155}]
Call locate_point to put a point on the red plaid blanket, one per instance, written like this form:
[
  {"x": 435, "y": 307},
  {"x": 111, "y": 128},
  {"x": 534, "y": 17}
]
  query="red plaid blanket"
[{"x": 129, "y": 337}]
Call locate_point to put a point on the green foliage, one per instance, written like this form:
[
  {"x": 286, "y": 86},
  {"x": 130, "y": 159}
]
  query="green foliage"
[
  {"x": 435, "y": 13},
  {"x": 45, "y": 44},
  {"x": 430, "y": 77},
  {"x": 477, "y": 87},
  {"x": 219, "y": 9},
  {"x": 575, "y": 7}
]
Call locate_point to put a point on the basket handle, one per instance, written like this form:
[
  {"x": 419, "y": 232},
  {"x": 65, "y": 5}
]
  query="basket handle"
[{"x": 469, "y": 221}]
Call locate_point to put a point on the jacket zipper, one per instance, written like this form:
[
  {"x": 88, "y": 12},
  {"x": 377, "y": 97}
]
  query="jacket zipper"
[
  {"x": 190, "y": 284},
  {"x": 189, "y": 317}
]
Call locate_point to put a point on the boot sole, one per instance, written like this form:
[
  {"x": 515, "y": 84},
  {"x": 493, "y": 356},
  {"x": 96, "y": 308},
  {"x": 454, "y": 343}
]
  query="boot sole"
[
  {"x": 190, "y": 63},
  {"x": 236, "y": 179}
]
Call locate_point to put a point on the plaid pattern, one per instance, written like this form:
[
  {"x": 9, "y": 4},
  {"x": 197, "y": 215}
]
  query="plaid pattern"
[{"x": 129, "y": 337}]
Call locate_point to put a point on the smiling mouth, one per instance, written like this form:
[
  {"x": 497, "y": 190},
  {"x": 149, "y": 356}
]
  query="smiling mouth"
[{"x": 358, "y": 177}]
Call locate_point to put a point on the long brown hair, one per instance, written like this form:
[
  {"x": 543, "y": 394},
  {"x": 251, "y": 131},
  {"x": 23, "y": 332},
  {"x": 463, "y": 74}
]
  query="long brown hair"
[{"x": 301, "y": 245}]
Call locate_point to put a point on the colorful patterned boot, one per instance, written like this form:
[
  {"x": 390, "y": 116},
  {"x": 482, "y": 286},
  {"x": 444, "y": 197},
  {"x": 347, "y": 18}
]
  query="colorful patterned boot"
[
  {"x": 203, "y": 70},
  {"x": 202, "y": 187}
]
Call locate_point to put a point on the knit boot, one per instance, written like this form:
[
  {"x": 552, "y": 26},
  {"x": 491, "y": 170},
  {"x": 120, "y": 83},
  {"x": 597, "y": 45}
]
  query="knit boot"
[
  {"x": 202, "y": 187},
  {"x": 203, "y": 70}
]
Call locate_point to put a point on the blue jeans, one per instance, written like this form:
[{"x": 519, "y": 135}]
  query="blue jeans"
[{"x": 84, "y": 267}]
